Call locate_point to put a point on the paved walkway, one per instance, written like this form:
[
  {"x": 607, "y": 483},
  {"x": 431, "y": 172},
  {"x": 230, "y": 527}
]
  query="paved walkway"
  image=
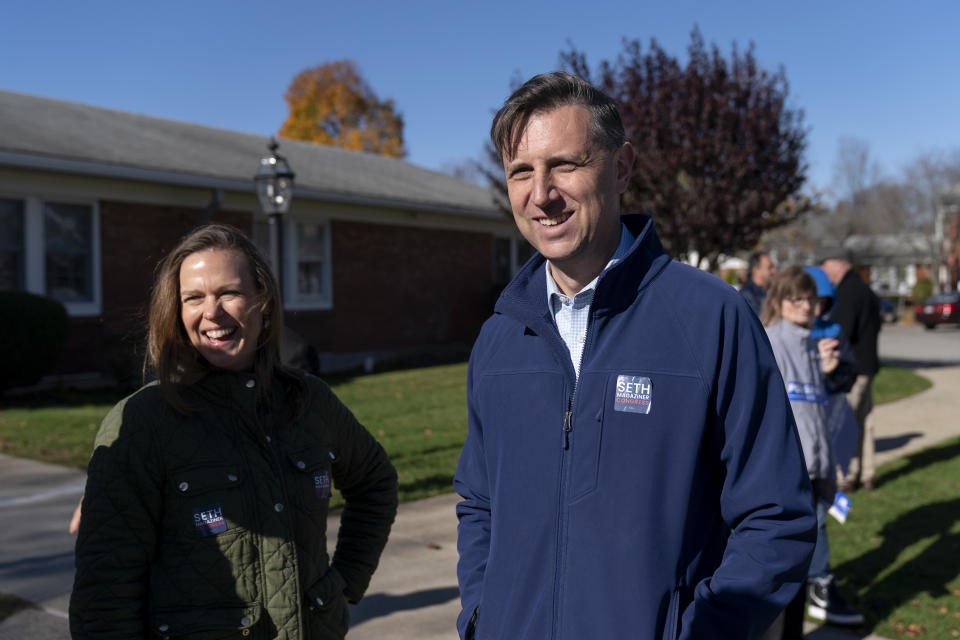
[{"x": 413, "y": 594}]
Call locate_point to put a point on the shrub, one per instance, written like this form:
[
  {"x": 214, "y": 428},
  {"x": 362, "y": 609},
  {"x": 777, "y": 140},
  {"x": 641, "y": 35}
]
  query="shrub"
[
  {"x": 922, "y": 290},
  {"x": 33, "y": 330}
]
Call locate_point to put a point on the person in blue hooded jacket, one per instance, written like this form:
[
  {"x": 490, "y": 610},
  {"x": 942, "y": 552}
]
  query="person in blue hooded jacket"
[
  {"x": 632, "y": 468},
  {"x": 841, "y": 421}
]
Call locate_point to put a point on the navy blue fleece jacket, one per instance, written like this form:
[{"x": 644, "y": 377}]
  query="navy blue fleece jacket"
[{"x": 661, "y": 495}]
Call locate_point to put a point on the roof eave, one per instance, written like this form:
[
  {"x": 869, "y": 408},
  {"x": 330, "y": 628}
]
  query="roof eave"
[{"x": 122, "y": 172}]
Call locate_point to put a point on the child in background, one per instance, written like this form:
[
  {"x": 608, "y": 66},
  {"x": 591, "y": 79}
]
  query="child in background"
[{"x": 812, "y": 367}]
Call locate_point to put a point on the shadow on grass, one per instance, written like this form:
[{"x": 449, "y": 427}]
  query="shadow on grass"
[
  {"x": 930, "y": 571},
  {"x": 419, "y": 453},
  {"x": 919, "y": 460},
  {"x": 442, "y": 481},
  {"x": 919, "y": 364},
  {"x": 64, "y": 398}
]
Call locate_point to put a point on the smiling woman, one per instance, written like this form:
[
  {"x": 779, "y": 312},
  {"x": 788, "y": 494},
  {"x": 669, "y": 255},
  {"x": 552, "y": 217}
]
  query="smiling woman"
[
  {"x": 219, "y": 307},
  {"x": 221, "y": 473}
]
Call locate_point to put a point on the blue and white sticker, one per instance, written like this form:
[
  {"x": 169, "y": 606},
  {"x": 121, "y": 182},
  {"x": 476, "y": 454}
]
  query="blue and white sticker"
[
  {"x": 209, "y": 521},
  {"x": 804, "y": 392},
  {"x": 634, "y": 394},
  {"x": 321, "y": 484},
  {"x": 840, "y": 508}
]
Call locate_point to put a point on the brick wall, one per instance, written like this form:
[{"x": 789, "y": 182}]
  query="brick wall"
[
  {"x": 133, "y": 238},
  {"x": 394, "y": 288},
  {"x": 400, "y": 287}
]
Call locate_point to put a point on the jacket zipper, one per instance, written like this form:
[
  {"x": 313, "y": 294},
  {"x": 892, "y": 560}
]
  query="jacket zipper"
[
  {"x": 561, "y": 516},
  {"x": 564, "y": 470}
]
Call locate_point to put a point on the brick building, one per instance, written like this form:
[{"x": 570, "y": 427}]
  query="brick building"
[
  {"x": 948, "y": 233},
  {"x": 382, "y": 260}
]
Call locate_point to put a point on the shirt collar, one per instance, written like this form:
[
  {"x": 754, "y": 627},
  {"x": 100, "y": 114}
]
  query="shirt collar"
[{"x": 626, "y": 241}]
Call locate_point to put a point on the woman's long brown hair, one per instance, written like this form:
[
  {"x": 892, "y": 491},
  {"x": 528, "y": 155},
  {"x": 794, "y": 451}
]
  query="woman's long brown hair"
[
  {"x": 170, "y": 355},
  {"x": 787, "y": 283}
]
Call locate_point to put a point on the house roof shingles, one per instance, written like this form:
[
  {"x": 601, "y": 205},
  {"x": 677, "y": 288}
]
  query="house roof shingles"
[{"x": 108, "y": 139}]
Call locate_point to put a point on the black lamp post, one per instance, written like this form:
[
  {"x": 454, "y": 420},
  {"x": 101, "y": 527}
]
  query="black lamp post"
[{"x": 274, "y": 180}]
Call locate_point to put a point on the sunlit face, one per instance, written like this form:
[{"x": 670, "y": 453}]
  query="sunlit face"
[
  {"x": 218, "y": 307},
  {"x": 835, "y": 269},
  {"x": 800, "y": 309},
  {"x": 764, "y": 271},
  {"x": 564, "y": 191}
]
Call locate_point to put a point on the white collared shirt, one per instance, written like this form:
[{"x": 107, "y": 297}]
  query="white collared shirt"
[{"x": 572, "y": 314}]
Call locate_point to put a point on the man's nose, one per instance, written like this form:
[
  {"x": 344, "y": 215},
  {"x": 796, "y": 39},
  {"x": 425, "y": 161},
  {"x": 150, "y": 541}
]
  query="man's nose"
[{"x": 542, "y": 189}]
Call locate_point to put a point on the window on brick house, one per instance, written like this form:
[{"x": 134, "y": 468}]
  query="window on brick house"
[
  {"x": 68, "y": 238},
  {"x": 307, "y": 267},
  {"x": 11, "y": 245},
  {"x": 509, "y": 254},
  {"x": 52, "y": 249}
]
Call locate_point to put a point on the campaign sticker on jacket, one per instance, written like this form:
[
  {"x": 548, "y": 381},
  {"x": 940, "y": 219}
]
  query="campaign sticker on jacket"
[
  {"x": 321, "y": 484},
  {"x": 208, "y": 521},
  {"x": 802, "y": 391},
  {"x": 634, "y": 394}
]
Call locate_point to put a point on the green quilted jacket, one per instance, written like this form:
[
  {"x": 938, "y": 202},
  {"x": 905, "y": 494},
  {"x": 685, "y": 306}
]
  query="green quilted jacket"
[{"x": 213, "y": 525}]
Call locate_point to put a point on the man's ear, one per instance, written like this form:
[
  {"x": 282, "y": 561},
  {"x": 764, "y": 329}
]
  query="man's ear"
[{"x": 624, "y": 158}]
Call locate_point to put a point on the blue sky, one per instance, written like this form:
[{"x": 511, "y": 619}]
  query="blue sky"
[{"x": 884, "y": 72}]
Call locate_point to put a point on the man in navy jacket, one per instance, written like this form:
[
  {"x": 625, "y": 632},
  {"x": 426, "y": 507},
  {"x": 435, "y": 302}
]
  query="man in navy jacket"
[{"x": 632, "y": 468}]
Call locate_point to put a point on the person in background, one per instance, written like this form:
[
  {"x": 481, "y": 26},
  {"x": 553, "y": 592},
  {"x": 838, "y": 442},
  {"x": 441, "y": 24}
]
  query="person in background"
[
  {"x": 841, "y": 423},
  {"x": 760, "y": 269},
  {"x": 858, "y": 313},
  {"x": 812, "y": 368},
  {"x": 631, "y": 467},
  {"x": 207, "y": 493}
]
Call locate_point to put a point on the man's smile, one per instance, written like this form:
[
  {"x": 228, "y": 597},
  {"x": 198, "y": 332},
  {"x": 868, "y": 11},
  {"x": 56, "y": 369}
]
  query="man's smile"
[{"x": 552, "y": 222}]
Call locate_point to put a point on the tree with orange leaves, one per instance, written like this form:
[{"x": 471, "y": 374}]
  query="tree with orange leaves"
[{"x": 333, "y": 104}]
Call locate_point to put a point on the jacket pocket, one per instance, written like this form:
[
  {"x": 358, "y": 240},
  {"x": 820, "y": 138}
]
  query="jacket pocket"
[
  {"x": 587, "y": 442},
  {"x": 327, "y": 606},
  {"x": 205, "y": 623},
  {"x": 471, "y": 631},
  {"x": 206, "y": 501},
  {"x": 671, "y": 623},
  {"x": 314, "y": 477}
]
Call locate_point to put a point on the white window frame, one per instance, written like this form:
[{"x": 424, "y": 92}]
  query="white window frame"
[
  {"x": 35, "y": 252},
  {"x": 291, "y": 260},
  {"x": 290, "y": 229},
  {"x": 516, "y": 242}
]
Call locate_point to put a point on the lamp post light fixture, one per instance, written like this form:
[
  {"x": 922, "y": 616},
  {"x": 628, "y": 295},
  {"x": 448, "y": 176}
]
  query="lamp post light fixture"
[{"x": 274, "y": 180}]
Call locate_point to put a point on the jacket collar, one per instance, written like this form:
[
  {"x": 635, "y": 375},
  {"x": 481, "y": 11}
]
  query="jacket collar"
[
  {"x": 228, "y": 388},
  {"x": 792, "y": 330},
  {"x": 525, "y": 298}
]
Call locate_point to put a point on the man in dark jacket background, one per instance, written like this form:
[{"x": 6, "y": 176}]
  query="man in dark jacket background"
[
  {"x": 858, "y": 312},
  {"x": 632, "y": 468},
  {"x": 760, "y": 270}
]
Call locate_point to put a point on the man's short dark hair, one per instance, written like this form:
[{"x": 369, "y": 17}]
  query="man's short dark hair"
[
  {"x": 549, "y": 91},
  {"x": 754, "y": 261}
]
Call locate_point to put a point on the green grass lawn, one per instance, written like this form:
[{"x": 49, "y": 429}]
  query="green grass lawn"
[
  {"x": 896, "y": 383},
  {"x": 898, "y": 555},
  {"x": 420, "y": 418},
  {"x": 54, "y": 427},
  {"x": 419, "y": 415}
]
